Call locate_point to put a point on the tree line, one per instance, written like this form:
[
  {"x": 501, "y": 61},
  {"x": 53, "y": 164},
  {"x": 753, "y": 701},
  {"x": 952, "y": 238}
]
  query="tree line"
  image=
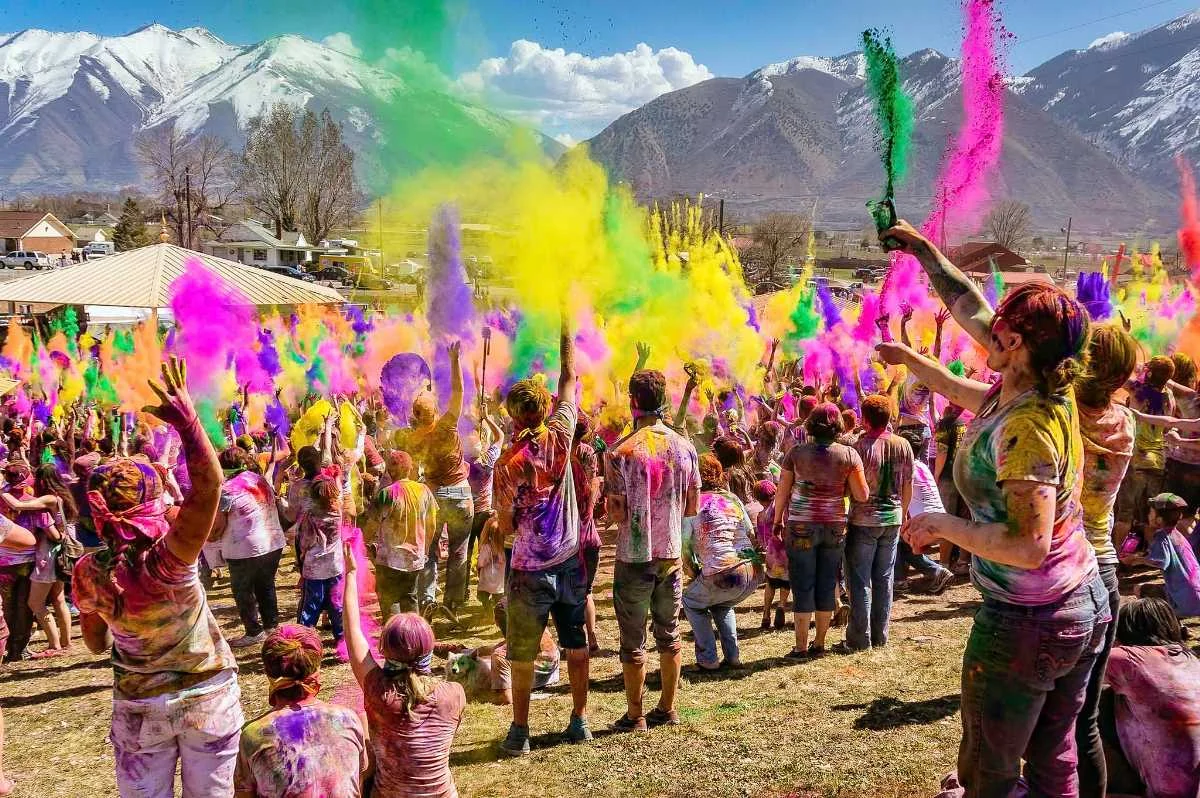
[{"x": 295, "y": 170}]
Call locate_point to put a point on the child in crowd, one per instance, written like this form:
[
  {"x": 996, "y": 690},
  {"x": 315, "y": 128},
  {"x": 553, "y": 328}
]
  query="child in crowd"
[
  {"x": 322, "y": 565},
  {"x": 775, "y": 554},
  {"x": 406, "y": 511},
  {"x": 1171, "y": 551}
]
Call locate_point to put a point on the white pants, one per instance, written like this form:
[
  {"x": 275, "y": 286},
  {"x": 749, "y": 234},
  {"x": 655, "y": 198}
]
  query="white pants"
[{"x": 197, "y": 728}]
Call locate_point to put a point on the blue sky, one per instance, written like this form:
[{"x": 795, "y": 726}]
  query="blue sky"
[
  {"x": 731, "y": 38},
  {"x": 574, "y": 93}
]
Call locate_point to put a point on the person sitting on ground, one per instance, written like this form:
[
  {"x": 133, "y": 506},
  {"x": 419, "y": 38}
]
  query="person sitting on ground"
[
  {"x": 719, "y": 556},
  {"x": 1150, "y": 711},
  {"x": 406, "y": 511},
  {"x": 411, "y": 715},
  {"x": 1172, "y": 552},
  {"x": 302, "y": 747}
]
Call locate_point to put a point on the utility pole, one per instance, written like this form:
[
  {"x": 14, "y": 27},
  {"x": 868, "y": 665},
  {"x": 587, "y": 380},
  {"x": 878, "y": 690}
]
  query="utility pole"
[
  {"x": 721, "y": 218},
  {"x": 187, "y": 182},
  {"x": 382, "y": 270},
  {"x": 1067, "y": 246}
]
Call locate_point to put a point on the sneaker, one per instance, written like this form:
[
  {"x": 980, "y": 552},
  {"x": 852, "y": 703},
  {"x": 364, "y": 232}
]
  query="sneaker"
[
  {"x": 628, "y": 724},
  {"x": 941, "y": 580},
  {"x": 245, "y": 641},
  {"x": 517, "y": 741},
  {"x": 766, "y": 624},
  {"x": 659, "y": 717},
  {"x": 815, "y": 651},
  {"x": 733, "y": 665},
  {"x": 796, "y": 655},
  {"x": 577, "y": 730},
  {"x": 71, "y": 608}
]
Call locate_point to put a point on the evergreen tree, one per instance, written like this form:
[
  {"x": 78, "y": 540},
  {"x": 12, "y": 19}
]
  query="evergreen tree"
[{"x": 130, "y": 232}]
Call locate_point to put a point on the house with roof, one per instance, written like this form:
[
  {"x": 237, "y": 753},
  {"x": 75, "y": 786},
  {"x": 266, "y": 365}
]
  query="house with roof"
[
  {"x": 982, "y": 257},
  {"x": 37, "y": 231},
  {"x": 251, "y": 243}
]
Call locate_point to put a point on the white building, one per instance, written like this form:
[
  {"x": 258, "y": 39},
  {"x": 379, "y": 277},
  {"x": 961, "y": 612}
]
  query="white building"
[{"x": 251, "y": 243}]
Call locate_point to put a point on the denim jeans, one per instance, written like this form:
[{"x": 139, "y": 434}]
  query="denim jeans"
[
  {"x": 1093, "y": 770},
  {"x": 457, "y": 511},
  {"x": 322, "y": 595},
  {"x": 814, "y": 552},
  {"x": 196, "y": 730},
  {"x": 252, "y": 580},
  {"x": 870, "y": 569},
  {"x": 712, "y": 598},
  {"x": 921, "y": 563},
  {"x": 1024, "y": 680},
  {"x": 397, "y": 590}
]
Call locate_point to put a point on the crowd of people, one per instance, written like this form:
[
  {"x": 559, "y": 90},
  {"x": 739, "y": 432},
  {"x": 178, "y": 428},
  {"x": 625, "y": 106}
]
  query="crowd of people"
[{"x": 1058, "y": 467}]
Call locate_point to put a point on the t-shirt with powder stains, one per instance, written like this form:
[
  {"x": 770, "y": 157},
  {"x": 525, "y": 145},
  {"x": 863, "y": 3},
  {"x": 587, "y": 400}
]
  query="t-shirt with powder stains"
[
  {"x": 311, "y": 750},
  {"x": 534, "y": 494},
  {"x": 1187, "y": 406},
  {"x": 412, "y": 748},
  {"x": 585, "y": 467},
  {"x": 1157, "y": 708},
  {"x": 1150, "y": 445},
  {"x": 165, "y": 638},
  {"x": 653, "y": 470},
  {"x": 438, "y": 451},
  {"x": 821, "y": 487},
  {"x": 1107, "y": 449},
  {"x": 721, "y": 531},
  {"x": 406, "y": 512},
  {"x": 888, "y": 464},
  {"x": 1172, "y": 552},
  {"x": 252, "y": 527},
  {"x": 1032, "y": 438}
]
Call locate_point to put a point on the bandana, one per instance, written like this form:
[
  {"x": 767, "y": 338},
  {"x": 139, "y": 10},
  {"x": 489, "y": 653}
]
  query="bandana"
[
  {"x": 310, "y": 685},
  {"x": 529, "y": 433},
  {"x": 423, "y": 666}
]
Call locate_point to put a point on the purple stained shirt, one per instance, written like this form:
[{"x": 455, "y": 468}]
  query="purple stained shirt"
[
  {"x": 585, "y": 467},
  {"x": 1157, "y": 691},
  {"x": 653, "y": 470},
  {"x": 1172, "y": 552},
  {"x": 535, "y": 494},
  {"x": 312, "y": 750}
]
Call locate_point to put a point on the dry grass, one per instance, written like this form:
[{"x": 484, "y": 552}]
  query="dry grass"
[{"x": 882, "y": 724}]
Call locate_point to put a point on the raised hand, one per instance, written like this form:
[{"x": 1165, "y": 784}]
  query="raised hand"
[
  {"x": 643, "y": 351},
  {"x": 907, "y": 236},
  {"x": 906, "y": 313},
  {"x": 455, "y": 348},
  {"x": 942, "y": 317},
  {"x": 893, "y": 354},
  {"x": 175, "y": 403}
]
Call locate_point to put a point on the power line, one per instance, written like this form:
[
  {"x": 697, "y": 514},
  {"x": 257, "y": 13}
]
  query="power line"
[{"x": 1094, "y": 21}]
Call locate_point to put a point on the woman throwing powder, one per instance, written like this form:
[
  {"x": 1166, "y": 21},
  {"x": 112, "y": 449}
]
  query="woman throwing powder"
[
  {"x": 176, "y": 700},
  {"x": 1045, "y": 609}
]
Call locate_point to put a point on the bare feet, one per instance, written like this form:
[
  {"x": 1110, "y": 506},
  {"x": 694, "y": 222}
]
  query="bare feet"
[{"x": 6, "y": 785}]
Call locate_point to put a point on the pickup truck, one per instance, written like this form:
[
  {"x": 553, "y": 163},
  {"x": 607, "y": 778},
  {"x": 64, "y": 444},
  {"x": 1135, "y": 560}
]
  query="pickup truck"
[{"x": 27, "y": 258}]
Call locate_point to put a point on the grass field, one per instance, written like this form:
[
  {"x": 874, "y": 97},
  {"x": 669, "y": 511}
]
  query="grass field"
[{"x": 879, "y": 724}]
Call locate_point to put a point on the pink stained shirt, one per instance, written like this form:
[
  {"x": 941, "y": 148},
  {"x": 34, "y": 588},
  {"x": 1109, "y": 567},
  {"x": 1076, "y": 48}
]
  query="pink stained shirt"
[{"x": 412, "y": 749}]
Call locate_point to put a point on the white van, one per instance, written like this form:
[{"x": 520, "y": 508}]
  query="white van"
[{"x": 99, "y": 249}]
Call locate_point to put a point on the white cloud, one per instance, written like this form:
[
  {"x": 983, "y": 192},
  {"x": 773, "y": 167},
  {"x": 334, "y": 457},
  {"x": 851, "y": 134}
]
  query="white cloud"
[
  {"x": 566, "y": 139},
  {"x": 342, "y": 43},
  {"x": 577, "y": 95}
]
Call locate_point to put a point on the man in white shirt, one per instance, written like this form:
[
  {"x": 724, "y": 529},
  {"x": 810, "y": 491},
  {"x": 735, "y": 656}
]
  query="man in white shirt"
[{"x": 925, "y": 499}]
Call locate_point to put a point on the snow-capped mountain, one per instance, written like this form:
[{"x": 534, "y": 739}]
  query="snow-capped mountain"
[
  {"x": 73, "y": 104},
  {"x": 1136, "y": 96},
  {"x": 791, "y": 133}
]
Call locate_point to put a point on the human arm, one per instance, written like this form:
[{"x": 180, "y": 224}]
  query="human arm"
[
  {"x": 906, "y": 314},
  {"x": 939, "y": 322},
  {"x": 1180, "y": 389},
  {"x": 965, "y": 393},
  {"x": 357, "y": 647},
  {"x": 47, "y": 503},
  {"x": 192, "y": 526},
  {"x": 1181, "y": 424},
  {"x": 1022, "y": 541},
  {"x": 856, "y": 481},
  {"x": 96, "y": 634},
  {"x": 688, "y": 390},
  {"x": 455, "y": 406},
  {"x": 643, "y": 356},
  {"x": 567, "y": 379},
  {"x": 961, "y": 296},
  {"x": 783, "y": 495}
]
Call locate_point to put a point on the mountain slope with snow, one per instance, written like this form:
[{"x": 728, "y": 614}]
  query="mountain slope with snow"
[{"x": 72, "y": 105}]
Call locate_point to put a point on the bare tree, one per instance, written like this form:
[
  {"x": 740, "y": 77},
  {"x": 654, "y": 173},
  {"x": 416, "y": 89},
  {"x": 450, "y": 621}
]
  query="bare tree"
[
  {"x": 777, "y": 238},
  {"x": 1009, "y": 224},
  {"x": 330, "y": 195},
  {"x": 193, "y": 178},
  {"x": 297, "y": 171}
]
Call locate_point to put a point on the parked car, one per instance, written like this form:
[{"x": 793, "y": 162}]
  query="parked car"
[
  {"x": 99, "y": 249},
  {"x": 334, "y": 274},
  {"x": 371, "y": 282},
  {"x": 290, "y": 271},
  {"x": 29, "y": 259}
]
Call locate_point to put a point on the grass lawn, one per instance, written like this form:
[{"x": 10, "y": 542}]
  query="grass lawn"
[{"x": 879, "y": 724}]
